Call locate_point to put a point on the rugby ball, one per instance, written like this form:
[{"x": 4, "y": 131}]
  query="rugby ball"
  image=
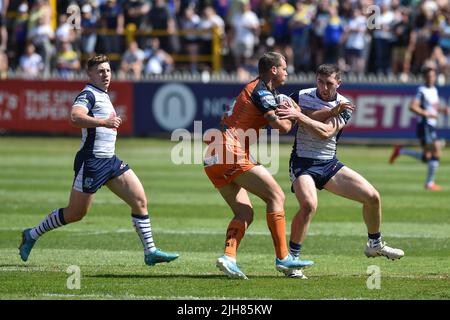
[{"x": 284, "y": 100}]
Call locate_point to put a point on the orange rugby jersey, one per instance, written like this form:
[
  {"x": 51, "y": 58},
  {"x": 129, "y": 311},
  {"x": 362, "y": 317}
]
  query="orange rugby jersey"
[{"x": 247, "y": 114}]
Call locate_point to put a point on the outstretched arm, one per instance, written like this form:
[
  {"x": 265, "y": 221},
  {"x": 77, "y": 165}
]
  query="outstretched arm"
[
  {"x": 284, "y": 125},
  {"x": 320, "y": 129}
]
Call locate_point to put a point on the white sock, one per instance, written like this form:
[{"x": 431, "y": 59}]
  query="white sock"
[
  {"x": 432, "y": 167},
  {"x": 144, "y": 230},
  {"x": 52, "y": 221}
]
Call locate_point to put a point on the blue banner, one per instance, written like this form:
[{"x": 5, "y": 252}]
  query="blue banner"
[{"x": 382, "y": 110}]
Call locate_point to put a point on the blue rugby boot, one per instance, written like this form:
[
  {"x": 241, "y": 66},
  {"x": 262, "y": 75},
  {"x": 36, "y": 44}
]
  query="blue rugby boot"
[
  {"x": 228, "y": 266},
  {"x": 26, "y": 245},
  {"x": 291, "y": 263},
  {"x": 159, "y": 256}
]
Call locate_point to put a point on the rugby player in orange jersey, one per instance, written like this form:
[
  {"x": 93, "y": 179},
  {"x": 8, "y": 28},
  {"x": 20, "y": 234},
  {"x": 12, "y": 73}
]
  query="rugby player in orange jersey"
[{"x": 230, "y": 168}]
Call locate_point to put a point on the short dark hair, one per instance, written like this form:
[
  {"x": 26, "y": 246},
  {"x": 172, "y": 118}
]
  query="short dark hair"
[
  {"x": 328, "y": 70},
  {"x": 269, "y": 60},
  {"x": 96, "y": 60}
]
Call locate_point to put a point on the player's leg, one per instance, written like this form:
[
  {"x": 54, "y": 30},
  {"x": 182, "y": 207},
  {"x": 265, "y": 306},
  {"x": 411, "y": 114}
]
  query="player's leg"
[
  {"x": 351, "y": 185},
  {"x": 260, "y": 182},
  {"x": 434, "y": 153},
  {"x": 79, "y": 204},
  {"x": 128, "y": 187},
  {"x": 306, "y": 194},
  {"x": 239, "y": 202}
]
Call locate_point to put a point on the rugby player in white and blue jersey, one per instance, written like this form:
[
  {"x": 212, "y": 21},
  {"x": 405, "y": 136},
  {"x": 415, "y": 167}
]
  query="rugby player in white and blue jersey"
[
  {"x": 426, "y": 105},
  {"x": 96, "y": 165},
  {"x": 313, "y": 163}
]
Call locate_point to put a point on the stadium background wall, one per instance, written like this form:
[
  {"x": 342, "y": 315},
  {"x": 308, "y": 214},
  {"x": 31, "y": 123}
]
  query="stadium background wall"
[{"x": 158, "y": 108}]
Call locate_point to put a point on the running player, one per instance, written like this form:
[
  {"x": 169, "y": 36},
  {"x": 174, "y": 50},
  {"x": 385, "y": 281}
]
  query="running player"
[
  {"x": 426, "y": 106},
  {"x": 96, "y": 165}
]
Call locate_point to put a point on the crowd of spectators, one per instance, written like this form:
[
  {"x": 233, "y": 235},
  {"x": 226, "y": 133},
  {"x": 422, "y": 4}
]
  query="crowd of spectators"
[{"x": 361, "y": 36}]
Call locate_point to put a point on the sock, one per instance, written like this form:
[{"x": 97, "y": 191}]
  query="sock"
[
  {"x": 52, "y": 221},
  {"x": 374, "y": 239},
  {"x": 235, "y": 233},
  {"x": 294, "y": 249},
  {"x": 277, "y": 226},
  {"x": 144, "y": 230},
  {"x": 412, "y": 153},
  {"x": 433, "y": 164}
]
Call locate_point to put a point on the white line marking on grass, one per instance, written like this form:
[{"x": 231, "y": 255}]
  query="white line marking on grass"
[
  {"x": 335, "y": 229},
  {"x": 144, "y": 297}
]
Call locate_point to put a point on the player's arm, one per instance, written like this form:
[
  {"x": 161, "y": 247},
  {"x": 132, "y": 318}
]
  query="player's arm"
[
  {"x": 79, "y": 118},
  {"x": 320, "y": 129},
  {"x": 266, "y": 102},
  {"x": 325, "y": 114},
  {"x": 415, "y": 108},
  {"x": 283, "y": 125},
  {"x": 444, "y": 110}
]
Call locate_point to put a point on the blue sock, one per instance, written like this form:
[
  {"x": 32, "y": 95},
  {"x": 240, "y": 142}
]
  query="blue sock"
[
  {"x": 374, "y": 239},
  {"x": 294, "y": 249}
]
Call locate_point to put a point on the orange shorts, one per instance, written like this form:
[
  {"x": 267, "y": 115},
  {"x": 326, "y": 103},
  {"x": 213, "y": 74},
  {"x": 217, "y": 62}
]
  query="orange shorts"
[{"x": 223, "y": 168}]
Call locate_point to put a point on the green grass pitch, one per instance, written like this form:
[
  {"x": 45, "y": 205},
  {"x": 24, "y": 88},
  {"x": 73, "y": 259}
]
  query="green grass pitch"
[{"x": 189, "y": 217}]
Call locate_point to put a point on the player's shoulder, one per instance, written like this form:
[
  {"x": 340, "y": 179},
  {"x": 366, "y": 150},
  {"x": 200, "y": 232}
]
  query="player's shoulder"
[
  {"x": 86, "y": 96},
  {"x": 341, "y": 98},
  {"x": 308, "y": 93}
]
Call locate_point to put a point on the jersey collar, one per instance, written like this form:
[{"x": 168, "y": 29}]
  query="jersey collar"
[{"x": 97, "y": 88}]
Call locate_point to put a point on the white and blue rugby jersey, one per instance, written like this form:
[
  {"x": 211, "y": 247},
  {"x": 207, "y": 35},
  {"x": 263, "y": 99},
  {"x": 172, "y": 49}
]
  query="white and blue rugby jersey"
[
  {"x": 99, "y": 141},
  {"x": 429, "y": 101},
  {"x": 308, "y": 145}
]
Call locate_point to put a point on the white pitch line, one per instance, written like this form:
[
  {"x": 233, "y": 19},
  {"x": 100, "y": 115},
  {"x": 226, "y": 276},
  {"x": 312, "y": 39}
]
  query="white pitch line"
[
  {"x": 145, "y": 297},
  {"x": 221, "y": 232}
]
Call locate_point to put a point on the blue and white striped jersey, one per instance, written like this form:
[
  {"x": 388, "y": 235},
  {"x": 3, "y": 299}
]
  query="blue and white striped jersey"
[
  {"x": 100, "y": 141},
  {"x": 429, "y": 101},
  {"x": 308, "y": 145}
]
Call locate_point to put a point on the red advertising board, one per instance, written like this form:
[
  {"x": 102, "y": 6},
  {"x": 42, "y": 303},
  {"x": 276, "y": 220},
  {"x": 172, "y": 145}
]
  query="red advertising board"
[{"x": 44, "y": 106}]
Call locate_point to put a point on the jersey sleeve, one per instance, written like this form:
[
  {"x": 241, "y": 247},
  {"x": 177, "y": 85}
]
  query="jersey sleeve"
[
  {"x": 264, "y": 100},
  {"x": 419, "y": 94},
  {"x": 85, "y": 99},
  {"x": 345, "y": 116}
]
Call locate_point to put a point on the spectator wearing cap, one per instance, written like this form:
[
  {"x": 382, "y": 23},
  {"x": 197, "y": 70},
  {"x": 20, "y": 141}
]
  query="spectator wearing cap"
[{"x": 88, "y": 29}]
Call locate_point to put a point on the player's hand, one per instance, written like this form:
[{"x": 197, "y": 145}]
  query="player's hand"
[
  {"x": 341, "y": 107},
  {"x": 113, "y": 121},
  {"x": 291, "y": 113},
  {"x": 446, "y": 110},
  {"x": 430, "y": 115}
]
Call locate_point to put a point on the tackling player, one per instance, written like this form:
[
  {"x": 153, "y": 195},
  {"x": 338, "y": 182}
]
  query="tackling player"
[{"x": 234, "y": 173}]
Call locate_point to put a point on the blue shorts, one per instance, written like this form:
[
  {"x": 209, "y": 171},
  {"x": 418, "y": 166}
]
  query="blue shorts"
[
  {"x": 320, "y": 170},
  {"x": 91, "y": 173},
  {"x": 426, "y": 133}
]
